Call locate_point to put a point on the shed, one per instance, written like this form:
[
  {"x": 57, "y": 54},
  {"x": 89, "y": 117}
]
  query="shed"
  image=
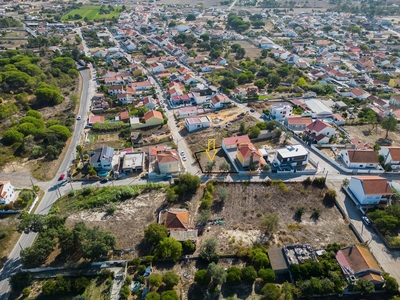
[{"x": 278, "y": 261}]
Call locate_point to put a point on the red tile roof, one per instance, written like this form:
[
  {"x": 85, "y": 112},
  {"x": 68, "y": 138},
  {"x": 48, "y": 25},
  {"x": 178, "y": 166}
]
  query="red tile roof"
[
  {"x": 394, "y": 153},
  {"x": 363, "y": 156},
  {"x": 152, "y": 113},
  {"x": 177, "y": 220},
  {"x": 317, "y": 126},
  {"x": 236, "y": 140},
  {"x": 375, "y": 185}
]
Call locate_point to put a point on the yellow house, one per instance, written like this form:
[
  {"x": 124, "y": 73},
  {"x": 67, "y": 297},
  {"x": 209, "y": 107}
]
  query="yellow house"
[
  {"x": 247, "y": 154},
  {"x": 168, "y": 162},
  {"x": 151, "y": 118}
]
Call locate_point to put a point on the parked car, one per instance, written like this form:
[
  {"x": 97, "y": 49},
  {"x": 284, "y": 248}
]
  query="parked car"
[
  {"x": 182, "y": 153},
  {"x": 366, "y": 220},
  {"x": 104, "y": 180},
  {"x": 252, "y": 110},
  {"x": 62, "y": 176},
  {"x": 184, "y": 158},
  {"x": 79, "y": 118}
]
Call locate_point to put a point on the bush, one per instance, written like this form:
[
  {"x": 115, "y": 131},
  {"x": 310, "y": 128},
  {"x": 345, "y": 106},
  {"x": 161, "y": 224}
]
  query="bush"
[
  {"x": 202, "y": 278},
  {"x": 125, "y": 292},
  {"x": 234, "y": 275},
  {"x": 153, "y": 296},
  {"x": 26, "y": 292},
  {"x": 170, "y": 278},
  {"x": 155, "y": 232},
  {"x": 249, "y": 274},
  {"x": 260, "y": 260},
  {"x": 330, "y": 195},
  {"x": 319, "y": 182},
  {"x": 267, "y": 275},
  {"x": 271, "y": 291},
  {"x": 188, "y": 247},
  {"x": 155, "y": 280},
  {"x": 169, "y": 295}
]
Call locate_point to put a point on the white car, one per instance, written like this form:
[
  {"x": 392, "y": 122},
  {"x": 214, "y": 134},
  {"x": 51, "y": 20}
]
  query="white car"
[
  {"x": 184, "y": 158},
  {"x": 79, "y": 118},
  {"x": 182, "y": 153}
]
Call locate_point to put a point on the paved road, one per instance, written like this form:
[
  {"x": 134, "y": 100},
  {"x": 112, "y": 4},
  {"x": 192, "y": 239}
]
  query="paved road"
[{"x": 50, "y": 196}]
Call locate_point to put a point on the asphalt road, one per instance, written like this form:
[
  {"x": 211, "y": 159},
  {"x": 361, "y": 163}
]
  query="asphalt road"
[{"x": 14, "y": 261}]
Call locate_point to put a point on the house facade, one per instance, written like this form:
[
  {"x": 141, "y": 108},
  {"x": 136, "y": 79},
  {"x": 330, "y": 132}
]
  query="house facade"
[
  {"x": 168, "y": 161},
  {"x": 391, "y": 156},
  {"x": 281, "y": 111},
  {"x": 370, "y": 190},
  {"x": 196, "y": 123},
  {"x": 319, "y": 132},
  {"x": 293, "y": 157},
  {"x": 101, "y": 158},
  {"x": 7, "y": 192},
  {"x": 359, "y": 159},
  {"x": 247, "y": 155}
]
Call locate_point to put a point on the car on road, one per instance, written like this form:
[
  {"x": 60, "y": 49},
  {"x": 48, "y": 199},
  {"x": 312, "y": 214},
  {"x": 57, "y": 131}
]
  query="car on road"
[
  {"x": 182, "y": 153},
  {"x": 79, "y": 118},
  {"x": 252, "y": 110},
  {"x": 366, "y": 220},
  {"x": 62, "y": 176},
  {"x": 104, "y": 180},
  {"x": 184, "y": 158}
]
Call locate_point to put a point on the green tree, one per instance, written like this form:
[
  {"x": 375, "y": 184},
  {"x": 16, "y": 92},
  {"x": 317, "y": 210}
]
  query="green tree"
[
  {"x": 254, "y": 132},
  {"x": 225, "y": 166},
  {"x": 125, "y": 292},
  {"x": 169, "y": 295},
  {"x": 249, "y": 274},
  {"x": 271, "y": 291},
  {"x": 391, "y": 285},
  {"x": 46, "y": 95},
  {"x": 12, "y": 136},
  {"x": 223, "y": 193},
  {"x": 153, "y": 296},
  {"x": 242, "y": 128},
  {"x": 270, "y": 222},
  {"x": 80, "y": 150},
  {"x": 80, "y": 284},
  {"x": 190, "y": 17},
  {"x": 228, "y": 82},
  {"x": 217, "y": 273},
  {"x": 20, "y": 280},
  {"x": 234, "y": 275},
  {"x": 268, "y": 275},
  {"x": 205, "y": 37},
  {"x": 240, "y": 53},
  {"x": 260, "y": 260},
  {"x": 274, "y": 80},
  {"x": 26, "y": 291},
  {"x": 364, "y": 286},
  {"x": 155, "y": 232},
  {"x": 210, "y": 166},
  {"x": 63, "y": 63},
  {"x": 61, "y": 131},
  {"x": 202, "y": 278},
  {"x": 260, "y": 83},
  {"x": 48, "y": 287},
  {"x": 370, "y": 118},
  {"x": 62, "y": 286},
  {"x": 208, "y": 250},
  {"x": 142, "y": 110},
  {"x": 169, "y": 248},
  {"x": 155, "y": 280},
  {"x": 389, "y": 124},
  {"x": 171, "y": 279}
]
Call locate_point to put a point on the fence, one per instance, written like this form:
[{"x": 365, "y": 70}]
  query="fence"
[{"x": 33, "y": 204}]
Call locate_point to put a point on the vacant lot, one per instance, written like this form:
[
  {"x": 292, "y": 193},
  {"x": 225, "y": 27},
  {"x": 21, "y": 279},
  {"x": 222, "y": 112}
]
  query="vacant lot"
[
  {"x": 219, "y": 157},
  {"x": 92, "y": 13},
  {"x": 366, "y": 135},
  {"x": 251, "y": 50},
  {"x": 248, "y": 203},
  {"x": 197, "y": 141}
]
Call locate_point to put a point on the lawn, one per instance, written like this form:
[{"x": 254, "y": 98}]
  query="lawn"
[{"x": 92, "y": 13}]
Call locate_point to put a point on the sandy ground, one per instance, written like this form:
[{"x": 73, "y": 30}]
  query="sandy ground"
[{"x": 366, "y": 135}]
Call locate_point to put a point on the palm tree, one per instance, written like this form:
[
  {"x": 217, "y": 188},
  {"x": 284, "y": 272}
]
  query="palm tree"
[{"x": 80, "y": 151}]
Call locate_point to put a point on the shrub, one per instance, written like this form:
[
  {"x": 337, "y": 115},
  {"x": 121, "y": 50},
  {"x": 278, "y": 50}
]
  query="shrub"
[
  {"x": 234, "y": 275},
  {"x": 125, "y": 292},
  {"x": 170, "y": 278},
  {"x": 249, "y": 274},
  {"x": 155, "y": 280},
  {"x": 202, "y": 278},
  {"x": 260, "y": 260},
  {"x": 299, "y": 211},
  {"x": 319, "y": 182},
  {"x": 26, "y": 292},
  {"x": 330, "y": 195},
  {"x": 268, "y": 275}
]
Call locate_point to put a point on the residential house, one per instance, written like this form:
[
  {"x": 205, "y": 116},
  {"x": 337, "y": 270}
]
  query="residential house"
[
  {"x": 198, "y": 98},
  {"x": 264, "y": 43},
  {"x": 95, "y": 119},
  {"x": 239, "y": 92},
  {"x": 247, "y": 154},
  {"x": 102, "y": 158},
  {"x": 187, "y": 112},
  {"x": 218, "y": 101},
  {"x": 125, "y": 98},
  {"x": 142, "y": 85},
  {"x": 252, "y": 90},
  {"x": 7, "y": 192},
  {"x": 196, "y": 123},
  {"x": 370, "y": 190},
  {"x": 292, "y": 157},
  {"x": 360, "y": 159},
  {"x": 115, "y": 90},
  {"x": 395, "y": 100},
  {"x": 234, "y": 141},
  {"x": 157, "y": 68},
  {"x": 281, "y": 111},
  {"x": 297, "y": 123},
  {"x": 124, "y": 116},
  {"x": 149, "y": 102},
  {"x": 177, "y": 223},
  {"x": 359, "y": 94},
  {"x": 220, "y": 61},
  {"x": 168, "y": 161},
  {"x": 319, "y": 132},
  {"x": 133, "y": 162},
  {"x": 357, "y": 262},
  {"x": 151, "y": 118},
  {"x": 391, "y": 156}
]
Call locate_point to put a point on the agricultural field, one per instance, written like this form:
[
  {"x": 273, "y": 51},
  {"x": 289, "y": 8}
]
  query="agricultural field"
[{"x": 92, "y": 13}]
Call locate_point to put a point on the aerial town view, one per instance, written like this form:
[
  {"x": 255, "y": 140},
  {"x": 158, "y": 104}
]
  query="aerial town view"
[{"x": 190, "y": 150}]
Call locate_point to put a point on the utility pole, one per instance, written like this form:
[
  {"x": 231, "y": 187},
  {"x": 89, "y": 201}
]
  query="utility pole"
[
  {"x": 33, "y": 186},
  {"x": 72, "y": 188}
]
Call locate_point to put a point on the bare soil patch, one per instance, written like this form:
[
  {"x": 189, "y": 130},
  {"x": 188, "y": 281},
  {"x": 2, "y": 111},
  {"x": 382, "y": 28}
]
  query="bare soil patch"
[
  {"x": 248, "y": 203},
  {"x": 251, "y": 50},
  {"x": 366, "y": 135}
]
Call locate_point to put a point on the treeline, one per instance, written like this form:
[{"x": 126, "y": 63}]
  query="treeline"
[
  {"x": 9, "y": 22},
  {"x": 80, "y": 242},
  {"x": 388, "y": 223}
]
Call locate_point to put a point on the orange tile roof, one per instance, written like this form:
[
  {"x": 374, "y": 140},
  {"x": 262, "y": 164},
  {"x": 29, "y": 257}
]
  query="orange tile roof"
[
  {"x": 248, "y": 149},
  {"x": 153, "y": 113},
  {"x": 167, "y": 157},
  {"x": 363, "y": 156},
  {"x": 394, "y": 153},
  {"x": 236, "y": 140},
  {"x": 177, "y": 220},
  {"x": 375, "y": 185}
]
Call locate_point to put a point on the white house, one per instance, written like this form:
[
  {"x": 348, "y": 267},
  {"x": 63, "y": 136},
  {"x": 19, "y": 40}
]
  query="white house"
[
  {"x": 370, "y": 190},
  {"x": 149, "y": 102},
  {"x": 359, "y": 94},
  {"x": 218, "y": 101},
  {"x": 196, "y": 123},
  {"x": 391, "y": 156},
  {"x": 264, "y": 43},
  {"x": 157, "y": 68},
  {"x": 359, "y": 159},
  {"x": 102, "y": 158},
  {"x": 234, "y": 141},
  {"x": 197, "y": 98},
  {"x": 187, "y": 112},
  {"x": 220, "y": 61},
  {"x": 182, "y": 27},
  {"x": 115, "y": 90},
  {"x": 294, "y": 157},
  {"x": 319, "y": 132},
  {"x": 130, "y": 45},
  {"x": 281, "y": 111},
  {"x": 7, "y": 192}
]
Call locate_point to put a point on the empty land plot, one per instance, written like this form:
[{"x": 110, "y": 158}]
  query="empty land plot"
[
  {"x": 251, "y": 50},
  {"x": 366, "y": 134},
  {"x": 92, "y": 13},
  {"x": 248, "y": 203}
]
